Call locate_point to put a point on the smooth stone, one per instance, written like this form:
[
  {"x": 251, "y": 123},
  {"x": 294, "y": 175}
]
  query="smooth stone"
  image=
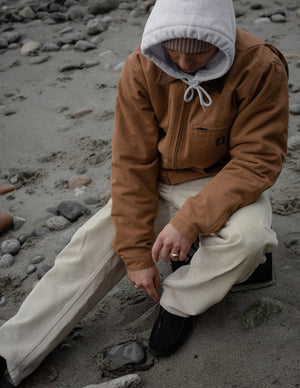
[
  {"x": 43, "y": 270},
  {"x": 72, "y": 38},
  {"x": 12, "y": 36},
  {"x": 31, "y": 269},
  {"x": 278, "y": 18},
  {"x": 36, "y": 259},
  {"x": 30, "y": 48},
  {"x": 79, "y": 181},
  {"x": 59, "y": 17},
  {"x": 7, "y": 261},
  {"x": 52, "y": 210},
  {"x": 44, "y": 158},
  {"x": 18, "y": 222},
  {"x": 74, "y": 12},
  {"x": 295, "y": 109},
  {"x": 49, "y": 47},
  {"x": 294, "y": 89},
  {"x": 70, "y": 67},
  {"x": 96, "y": 39},
  {"x": 256, "y": 6},
  {"x": 95, "y": 26},
  {"x": 7, "y": 188},
  {"x": 238, "y": 13},
  {"x": 294, "y": 143},
  {"x": 127, "y": 353},
  {"x": 27, "y": 13},
  {"x": 119, "y": 66},
  {"x": 6, "y": 220},
  {"x": 83, "y": 45},
  {"x": 127, "y": 381},
  {"x": 24, "y": 237},
  {"x": 91, "y": 201},
  {"x": 72, "y": 210},
  {"x": 81, "y": 171},
  {"x": 57, "y": 223},
  {"x": 262, "y": 20},
  {"x": 100, "y": 7},
  {"x": 40, "y": 231},
  {"x": 261, "y": 311},
  {"x": 66, "y": 237},
  {"x": 39, "y": 59},
  {"x": 11, "y": 246},
  {"x": 3, "y": 43},
  {"x": 3, "y": 302}
]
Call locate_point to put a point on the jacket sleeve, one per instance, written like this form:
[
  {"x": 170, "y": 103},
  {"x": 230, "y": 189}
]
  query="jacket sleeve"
[
  {"x": 258, "y": 144},
  {"x": 134, "y": 169}
]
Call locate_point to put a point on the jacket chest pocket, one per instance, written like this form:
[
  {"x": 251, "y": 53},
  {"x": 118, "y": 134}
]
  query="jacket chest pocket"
[{"x": 207, "y": 145}]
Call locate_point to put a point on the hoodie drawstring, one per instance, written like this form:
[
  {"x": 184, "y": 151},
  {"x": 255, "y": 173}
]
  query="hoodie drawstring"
[{"x": 202, "y": 93}]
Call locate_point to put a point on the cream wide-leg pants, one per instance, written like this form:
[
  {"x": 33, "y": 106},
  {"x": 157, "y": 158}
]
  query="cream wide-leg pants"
[{"x": 88, "y": 268}]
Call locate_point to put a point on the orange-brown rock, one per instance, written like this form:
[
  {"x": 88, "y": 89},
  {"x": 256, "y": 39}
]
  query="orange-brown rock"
[
  {"x": 79, "y": 181},
  {"x": 6, "y": 188},
  {"x": 6, "y": 221}
]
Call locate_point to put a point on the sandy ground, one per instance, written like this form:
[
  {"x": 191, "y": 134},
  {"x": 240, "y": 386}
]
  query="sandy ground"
[{"x": 220, "y": 352}]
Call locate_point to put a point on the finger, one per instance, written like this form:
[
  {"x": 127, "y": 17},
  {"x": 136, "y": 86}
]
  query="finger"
[
  {"x": 156, "y": 249},
  {"x": 174, "y": 255},
  {"x": 164, "y": 253},
  {"x": 151, "y": 291},
  {"x": 156, "y": 281}
]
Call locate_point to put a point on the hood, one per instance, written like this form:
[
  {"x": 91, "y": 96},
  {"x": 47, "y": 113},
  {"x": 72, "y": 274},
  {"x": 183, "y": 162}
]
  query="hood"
[{"x": 210, "y": 20}]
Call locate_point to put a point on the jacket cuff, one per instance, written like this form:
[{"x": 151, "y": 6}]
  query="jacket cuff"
[{"x": 184, "y": 227}]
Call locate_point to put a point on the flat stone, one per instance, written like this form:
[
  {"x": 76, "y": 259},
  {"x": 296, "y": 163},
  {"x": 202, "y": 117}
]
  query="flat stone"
[
  {"x": 127, "y": 381},
  {"x": 127, "y": 353},
  {"x": 66, "y": 236},
  {"x": 295, "y": 109},
  {"x": 30, "y": 48},
  {"x": 40, "y": 231},
  {"x": 91, "y": 201},
  {"x": 39, "y": 59},
  {"x": 11, "y": 246},
  {"x": 30, "y": 269},
  {"x": 24, "y": 237},
  {"x": 57, "y": 223},
  {"x": 6, "y": 261},
  {"x": 50, "y": 47},
  {"x": 95, "y": 26},
  {"x": 43, "y": 270},
  {"x": 100, "y": 7},
  {"x": 278, "y": 18},
  {"x": 36, "y": 259},
  {"x": 72, "y": 210},
  {"x": 262, "y": 20},
  {"x": 6, "y": 220},
  {"x": 261, "y": 311},
  {"x": 27, "y": 13},
  {"x": 79, "y": 181},
  {"x": 18, "y": 222},
  {"x": 83, "y": 45}
]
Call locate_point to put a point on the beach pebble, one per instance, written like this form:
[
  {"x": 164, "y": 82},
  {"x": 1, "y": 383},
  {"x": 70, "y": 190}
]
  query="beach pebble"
[
  {"x": 3, "y": 302},
  {"x": 7, "y": 261},
  {"x": 95, "y": 26},
  {"x": 11, "y": 246},
  {"x": 278, "y": 18},
  {"x": 57, "y": 223},
  {"x": 262, "y": 20},
  {"x": 30, "y": 269},
  {"x": 256, "y": 6},
  {"x": 18, "y": 222},
  {"x": 37, "y": 258},
  {"x": 72, "y": 210},
  {"x": 127, "y": 353},
  {"x": 66, "y": 236},
  {"x": 295, "y": 109},
  {"x": 91, "y": 201},
  {"x": 103, "y": 6},
  {"x": 49, "y": 47},
  {"x": 44, "y": 158},
  {"x": 83, "y": 45},
  {"x": 7, "y": 188},
  {"x": 119, "y": 66},
  {"x": 12, "y": 36},
  {"x": 6, "y": 220},
  {"x": 127, "y": 381},
  {"x": 30, "y": 48},
  {"x": 79, "y": 181},
  {"x": 27, "y": 13},
  {"x": 3, "y": 43},
  {"x": 40, "y": 231},
  {"x": 24, "y": 237},
  {"x": 43, "y": 270},
  {"x": 261, "y": 311},
  {"x": 74, "y": 12},
  {"x": 39, "y": 59}
]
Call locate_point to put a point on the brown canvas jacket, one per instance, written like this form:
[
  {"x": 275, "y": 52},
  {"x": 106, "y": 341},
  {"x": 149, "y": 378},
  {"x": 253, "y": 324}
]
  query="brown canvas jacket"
[{"x": 241, "y": 140}]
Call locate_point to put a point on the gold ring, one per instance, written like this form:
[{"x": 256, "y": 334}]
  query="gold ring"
[{"x": 174, "y": 255}]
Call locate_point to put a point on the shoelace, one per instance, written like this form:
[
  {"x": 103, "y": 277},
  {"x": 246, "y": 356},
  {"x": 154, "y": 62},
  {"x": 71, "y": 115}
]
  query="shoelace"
[{"x": 202, "y": 93}]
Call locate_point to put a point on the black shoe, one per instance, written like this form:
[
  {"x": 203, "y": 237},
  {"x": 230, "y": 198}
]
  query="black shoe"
[
  {"x": 168, "y": 333},
  {"x": 177, "y": 264},
  {"x": 2, "y": 366}
]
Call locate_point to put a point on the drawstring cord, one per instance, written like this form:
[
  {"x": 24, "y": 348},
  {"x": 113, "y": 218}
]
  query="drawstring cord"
[{"x": 202, "y": 93}]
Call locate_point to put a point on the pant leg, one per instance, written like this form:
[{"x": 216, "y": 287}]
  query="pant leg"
[
  {"x": 83, "y": 273},
  {"x": 223, "y": 258}
]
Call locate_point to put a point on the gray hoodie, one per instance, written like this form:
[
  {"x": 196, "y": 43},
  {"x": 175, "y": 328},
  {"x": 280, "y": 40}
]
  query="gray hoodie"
[{"x": 210, "y": 20}]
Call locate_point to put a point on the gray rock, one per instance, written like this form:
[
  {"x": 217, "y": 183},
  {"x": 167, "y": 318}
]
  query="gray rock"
[
  {"x": 66, "y": 236},
  {"x": 91, "y": 200},
  {"x": 261, "y": 311},
  {"x": 294, "y": 143},
  {"x": 30, "y": 269},
  {"x": 83, "y": 45},
  {"x": 95, "y": 26},
  {"x": 72, "y": 210},
  {"x": 6, "y": 261},
  {"x": 238, "y": 13},
  {"x": 278, "y": 18},
  {"x": 43, "y": 270},
  {"x": 3, "y": 302},
  {"x": 12, "y": 36},
  {"x": 3, "y": 43},
  {"x": 127, "y": 353},
  {"x": 262, "y": 20},
  {"x": 295, "y": 109},
  {"x": 30, "y": 48},
  {"x": 59, "y": 17},
  {"x": 10, "y": 246},
  {"x": 39, "y": 59},
  {"x": 57, "y": 223},
  {"x": 45, "y": 158},
  {"x": 50, "y": 47},
  {"x": 256, "y": 6},
  {"x": 70, "y": 67},
  {"x": 126, "y": 6},
  {"x": 24, "y": 237},
  {"x": 119, "y": 66},
  {"x": 88, "y": 64},
  {"x": 54, "y": 7},
  {"x": 18, "y": 222},
  {"x": 27, "y": 13},
  {"x": 72, "y": 38},
  {"x": 75, "y": 12},
  {"x": 37, "y": 258},
  {"x": 40, "y": 231},
  {"x": 128, "y": 381},
  {"x": 100, "y": 7}
]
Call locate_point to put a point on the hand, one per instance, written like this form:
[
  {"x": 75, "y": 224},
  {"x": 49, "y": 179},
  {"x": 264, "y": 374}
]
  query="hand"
[
  {"x": 147, "y": 280},
  {"x": 169, "y": 241}
]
